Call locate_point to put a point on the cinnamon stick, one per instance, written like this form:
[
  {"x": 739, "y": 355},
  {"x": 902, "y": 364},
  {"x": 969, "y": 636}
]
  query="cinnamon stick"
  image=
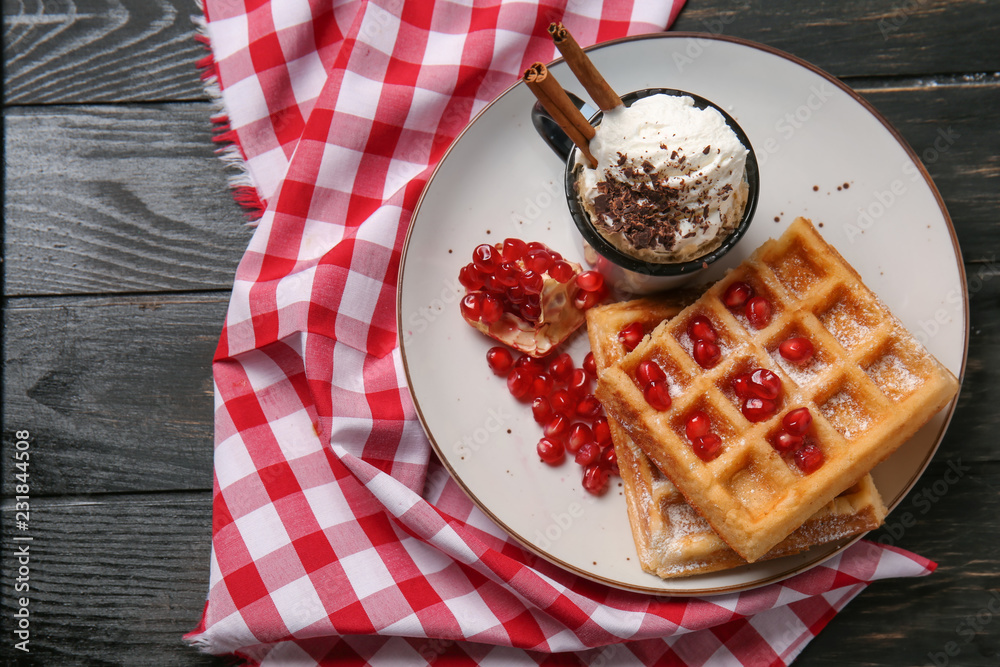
[
  {"x": 579, "y": 62},
  {"x": 561, "y": 108}
]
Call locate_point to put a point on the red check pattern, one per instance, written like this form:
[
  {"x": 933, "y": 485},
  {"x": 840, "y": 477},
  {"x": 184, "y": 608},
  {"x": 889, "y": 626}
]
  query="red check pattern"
[{"x": 336, "y": 535}]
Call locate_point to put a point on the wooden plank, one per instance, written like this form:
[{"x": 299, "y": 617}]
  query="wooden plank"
[
  {"x": 57, "y": 51},
  {"x": 98, "y": 412},
  {"x": 114, "y": 581},
  {"x": 117, "y": 393},
  {"x": 72, "y": 51},
  {"x": 948, "y": 126},
  {"x": 117, "y": 199},
  {"x": 118, "y": 580},
  {"x": 951, "y": 615},
  {"x": 131, "y": 198},
  {"x": 862, "y": 38},
  {"x": 118, "y": 390}
]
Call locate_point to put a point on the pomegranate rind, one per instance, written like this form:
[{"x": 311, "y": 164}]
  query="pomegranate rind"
[{"x": 558, "y": 320}]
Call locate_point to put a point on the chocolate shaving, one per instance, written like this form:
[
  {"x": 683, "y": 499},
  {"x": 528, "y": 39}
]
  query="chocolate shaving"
[
  {"x": 707, "y": 148},
  {"x": 645, "y": 212}
]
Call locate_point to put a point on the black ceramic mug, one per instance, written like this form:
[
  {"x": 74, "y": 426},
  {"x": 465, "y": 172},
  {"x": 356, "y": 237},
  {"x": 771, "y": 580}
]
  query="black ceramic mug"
[{"x": 625, "y": 272}]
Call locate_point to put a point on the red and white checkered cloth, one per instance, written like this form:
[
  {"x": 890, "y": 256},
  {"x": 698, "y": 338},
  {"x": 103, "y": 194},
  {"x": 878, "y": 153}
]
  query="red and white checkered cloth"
[{"x": 326, "y": 544}]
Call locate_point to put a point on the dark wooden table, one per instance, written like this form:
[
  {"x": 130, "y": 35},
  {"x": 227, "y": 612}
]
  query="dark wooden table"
[{"x": 121, "y": 241}]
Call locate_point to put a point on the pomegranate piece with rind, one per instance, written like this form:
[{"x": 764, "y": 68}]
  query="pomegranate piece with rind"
[{"x": 525, "y": 296}]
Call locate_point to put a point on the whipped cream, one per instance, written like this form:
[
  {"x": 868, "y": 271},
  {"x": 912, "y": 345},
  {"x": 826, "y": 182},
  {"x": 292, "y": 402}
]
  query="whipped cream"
[{"x": 669, "y": 184}]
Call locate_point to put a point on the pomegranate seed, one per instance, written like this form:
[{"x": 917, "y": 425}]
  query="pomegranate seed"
[
  {"x": 541, "y": 410},
  {"x": 741, "y": 385},
  {"x": 538, "y": 260},
  {"x": 492, "y": 309},
  {"x": 590, "y": 281},
  {"x": 578, "y": 384},
  {"x": 737, "y": 295},
  {"x": 472, "y": 306},
  {"x": 579, "y": 435},
  {"x": 470, "y": 277},
  {"x": 537, "y": 245},
  {"x": 530, "y": 363},
  {"x": 707, "y": 447},
  {"x": 585, "y": 300},
  {"x": 500, "y": 360},
  {"x": 701, "y": 329},
  {"x": 589, "y": 407},
  {"x": 590, "y": 366},
  {"x": 562, "y": 402},
  {"x": 486, "y": 258},
  {"x": 657, "y": 394},
  {"x": 561, "y": 271},
  {"x": 797, "y": 421},
  {"x": 558, "y": 425},
  {"x": 758, "y": 409},
  {"x": 609, "y": 460},
  {"x": 507, "y": 274},
  {"x": 531, "y": 282},
  {"x": 631, "y": 335},
  {"x": 648, "y": 372},
  {"x": 809, "y": 459},
  {"x": 491, "y": 285},
  {"x": 602, "y": 432},
  {"x": 541, "y": 385},
  {"x": 797, "y": 350},
  {"x": 561, "y": 367},
  {"x": 758, "y": 312},
  {"x": 516, "y": 295},
  {"x": 765, "y": 384},
  {"x": 513, "y": 249},
  {"x": 554, "y": 255},
  {"x": 707, "y": 354},
  {"x": 588, "y": 453},
  {"x": 519, "y": 383},
  {"x": 785, "y": 442},
  {"x": 550, "y": 451},
  {"x": 595, "y": 479},
  {"x": 531, "y": 311},
  {"x": 697, "y": 425}
]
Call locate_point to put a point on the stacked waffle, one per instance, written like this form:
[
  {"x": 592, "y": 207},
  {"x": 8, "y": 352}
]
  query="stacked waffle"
[{"x": 866, "y": 384}]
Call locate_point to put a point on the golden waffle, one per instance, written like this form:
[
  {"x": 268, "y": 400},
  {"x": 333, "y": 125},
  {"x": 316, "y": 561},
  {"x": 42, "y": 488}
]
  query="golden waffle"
[
  {"x": 671, "y": 538},
  {"x": 870, "y": 386}
]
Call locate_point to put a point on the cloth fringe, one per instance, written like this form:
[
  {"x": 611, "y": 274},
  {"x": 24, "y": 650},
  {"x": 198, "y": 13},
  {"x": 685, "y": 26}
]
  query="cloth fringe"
[{"x": 228, "y": 148}]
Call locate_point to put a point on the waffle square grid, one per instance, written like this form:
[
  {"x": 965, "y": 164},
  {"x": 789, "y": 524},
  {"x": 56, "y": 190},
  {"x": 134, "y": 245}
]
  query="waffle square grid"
[
  {"x": 869, "y": 387},
  {"x": 671, "y": 538}
]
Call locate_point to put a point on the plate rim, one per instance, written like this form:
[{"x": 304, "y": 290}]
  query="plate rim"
[{"x": 834, "y": 548}]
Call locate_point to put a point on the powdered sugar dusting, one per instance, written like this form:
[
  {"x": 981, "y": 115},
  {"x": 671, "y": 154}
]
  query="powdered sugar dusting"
[
  {"x": 846, "y": 414},
  {"x": 825, "y": 530},
  {"x": 681, "y": 568},
  {"x": 842, "y": 324},
  {"x": 796, "y": 272},
  {"x": 674, "y": 388},
  {"x": 800, "y": 374},
  {"x": 893, "y": 377},
  {"x": 685, "y": 521}
]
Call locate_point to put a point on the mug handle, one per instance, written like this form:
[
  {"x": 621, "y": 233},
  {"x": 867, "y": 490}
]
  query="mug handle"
[{"x": 550, "y": 131}]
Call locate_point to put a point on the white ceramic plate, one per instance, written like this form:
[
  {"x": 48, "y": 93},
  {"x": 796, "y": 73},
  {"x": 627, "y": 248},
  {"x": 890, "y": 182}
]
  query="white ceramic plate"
[{"x": 812, "y": 136}]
